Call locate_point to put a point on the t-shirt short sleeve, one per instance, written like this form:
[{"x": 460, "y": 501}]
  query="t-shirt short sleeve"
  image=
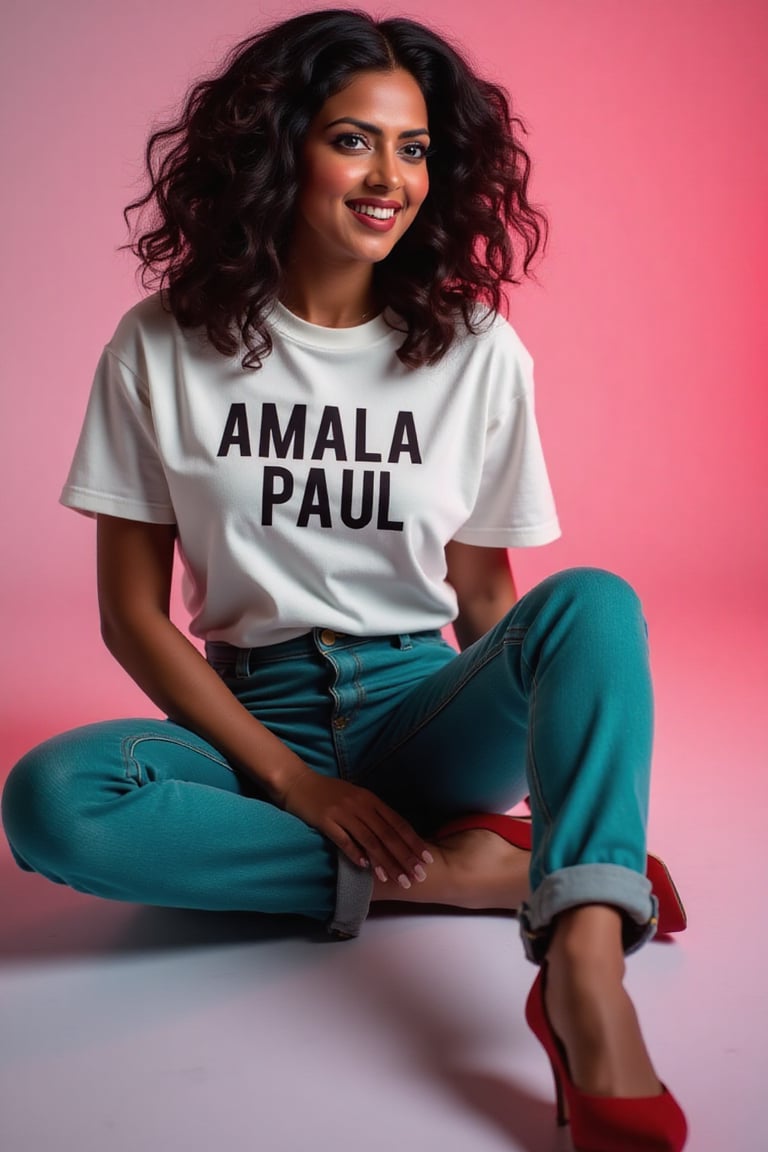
[
  {"x": 117, "y": 470},
  {"x": 515, "y": 507}
]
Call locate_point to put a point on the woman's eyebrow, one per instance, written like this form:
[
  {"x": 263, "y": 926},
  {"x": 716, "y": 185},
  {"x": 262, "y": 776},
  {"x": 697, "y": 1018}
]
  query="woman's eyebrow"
[{"x": 374, "y": 130}]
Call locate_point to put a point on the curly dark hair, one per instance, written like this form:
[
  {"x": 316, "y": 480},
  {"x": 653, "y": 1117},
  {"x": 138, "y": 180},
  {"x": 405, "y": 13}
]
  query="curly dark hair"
[{"x": 224, "y": 180}]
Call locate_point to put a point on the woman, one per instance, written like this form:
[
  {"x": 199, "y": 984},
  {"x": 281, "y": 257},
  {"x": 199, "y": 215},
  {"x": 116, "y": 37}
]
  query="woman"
[{"x": 323, "y": 410}]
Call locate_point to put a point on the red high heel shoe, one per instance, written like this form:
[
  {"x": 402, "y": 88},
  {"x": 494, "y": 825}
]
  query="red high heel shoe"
[
  {"x": 605, "y": 1123},
  {"x": 516, "y": 830}
]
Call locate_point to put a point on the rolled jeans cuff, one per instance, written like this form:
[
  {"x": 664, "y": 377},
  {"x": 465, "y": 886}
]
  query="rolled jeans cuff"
[
  {"x": 354, "y": 887},
  {"x": 624, "y": 889}
]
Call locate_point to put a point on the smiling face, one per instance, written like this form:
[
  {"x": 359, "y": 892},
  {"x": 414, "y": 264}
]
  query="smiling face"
[{"x": 364, "y": 171}]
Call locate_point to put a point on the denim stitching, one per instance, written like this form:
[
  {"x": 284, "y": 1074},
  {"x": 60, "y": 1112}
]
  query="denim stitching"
[
  {"x": 260, "y": 661},
  {"x": 359, "y": 689},
  {"x": 337, "y": 735},
  {"x": 469, "y": 675},
  {"x": 228, "y": 667},
  {"x": 338, "y": 743},
  {"x": 223, "y": 662},
  {"x": 129, "y": 744},
  {"x": 535, "y": 783},
  {"x": 535, "y": 779}
]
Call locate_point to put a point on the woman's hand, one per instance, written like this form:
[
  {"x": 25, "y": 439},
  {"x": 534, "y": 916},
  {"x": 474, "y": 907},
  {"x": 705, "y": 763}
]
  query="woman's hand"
[{"x": 361, "y": 825}]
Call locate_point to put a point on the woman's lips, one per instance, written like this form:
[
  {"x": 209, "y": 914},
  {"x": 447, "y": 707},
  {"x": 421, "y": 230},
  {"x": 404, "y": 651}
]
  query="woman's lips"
[{"x": 380, "y": 217}]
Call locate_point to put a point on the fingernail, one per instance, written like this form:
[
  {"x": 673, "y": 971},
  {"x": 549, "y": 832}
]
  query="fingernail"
[
  {"x": 403, "y": 880},
  {"x": 419, "y": 872},
  {"x": 381, "y": 874},
  {"x": 427, "y": 857},
  {"x": 364, "y": 863}
]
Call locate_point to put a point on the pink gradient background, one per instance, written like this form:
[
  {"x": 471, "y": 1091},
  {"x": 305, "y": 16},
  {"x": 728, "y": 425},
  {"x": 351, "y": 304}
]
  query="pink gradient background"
[
  {"x": 648, "y": 125},
  {"x": 647, "y": 128}
]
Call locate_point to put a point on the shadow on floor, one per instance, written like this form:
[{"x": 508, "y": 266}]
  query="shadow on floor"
[
  {"x": 527, "y": 1122},
  {"x": 45, "y": 921},
  {"x": 42, "y": 920}
]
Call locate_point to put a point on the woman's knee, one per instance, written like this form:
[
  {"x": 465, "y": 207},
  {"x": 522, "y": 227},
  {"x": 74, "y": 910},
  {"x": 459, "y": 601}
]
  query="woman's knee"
[
  {"x": 42, "y": 805},
  {"x": 593, "y": 609},
  {"x": 596, "y": 593},
  {"x": 594, "y": 583}
]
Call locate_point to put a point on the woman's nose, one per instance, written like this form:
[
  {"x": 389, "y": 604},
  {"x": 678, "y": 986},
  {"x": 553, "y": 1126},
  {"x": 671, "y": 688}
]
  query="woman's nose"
[{"x": 384, "y": 171}]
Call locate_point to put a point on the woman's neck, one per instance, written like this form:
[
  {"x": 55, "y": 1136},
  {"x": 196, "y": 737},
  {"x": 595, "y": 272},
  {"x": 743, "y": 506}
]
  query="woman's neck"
[{"x": 333, "y": 298}]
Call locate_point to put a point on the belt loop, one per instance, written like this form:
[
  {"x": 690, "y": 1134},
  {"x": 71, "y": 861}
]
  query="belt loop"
[
  {"x": 404, "y": 641},
  {"x": 243, "y": 663}
]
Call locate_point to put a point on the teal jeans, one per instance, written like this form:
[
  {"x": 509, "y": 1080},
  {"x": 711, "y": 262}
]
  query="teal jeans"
[{"x": 555, "y": 702}]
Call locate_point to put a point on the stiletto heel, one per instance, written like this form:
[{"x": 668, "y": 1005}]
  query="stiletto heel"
[
  {"x": 516, "y": 830},
  {"x": 560, "y": 1101},
  {"x": 605, "y": 1123}
]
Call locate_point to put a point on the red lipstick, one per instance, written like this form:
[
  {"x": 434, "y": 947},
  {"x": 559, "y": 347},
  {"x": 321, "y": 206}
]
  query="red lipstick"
[{"x": 383, "y": 223}]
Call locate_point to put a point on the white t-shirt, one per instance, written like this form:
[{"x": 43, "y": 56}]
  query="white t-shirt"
[{"x": 321, "y": 489}]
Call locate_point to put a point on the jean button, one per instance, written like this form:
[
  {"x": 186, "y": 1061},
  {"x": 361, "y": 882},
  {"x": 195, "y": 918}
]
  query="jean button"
[
  {"x": 328, "y": 637},
  {"x": 340, "y": 722}
]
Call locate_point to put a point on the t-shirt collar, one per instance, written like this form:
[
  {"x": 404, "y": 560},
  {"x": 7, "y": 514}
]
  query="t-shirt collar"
[{"x": 339, "y": 339}]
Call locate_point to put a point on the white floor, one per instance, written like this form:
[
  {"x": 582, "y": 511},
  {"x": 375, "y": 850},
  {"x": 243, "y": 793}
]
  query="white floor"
[{"x": 125, "y": 1029}]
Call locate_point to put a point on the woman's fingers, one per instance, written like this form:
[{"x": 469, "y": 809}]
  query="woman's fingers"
[
  {"x": 346, "y": 844},
  {"x": 392, "y": 847},
  {"x": 403, "y": 843},
  {"x": 362, "y": 826}
]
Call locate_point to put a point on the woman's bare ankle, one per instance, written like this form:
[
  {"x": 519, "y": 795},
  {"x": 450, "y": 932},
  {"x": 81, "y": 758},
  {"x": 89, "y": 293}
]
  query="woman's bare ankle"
[
  {"x": 473, "y": 870},
  {"x": 589, "y": 1008},
  {"x": 587, "y": 938}
]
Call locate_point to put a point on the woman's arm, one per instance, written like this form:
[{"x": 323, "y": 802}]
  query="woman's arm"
[
  {"x": 135, "y": 564},
  {"x": 484, "y": 586}
]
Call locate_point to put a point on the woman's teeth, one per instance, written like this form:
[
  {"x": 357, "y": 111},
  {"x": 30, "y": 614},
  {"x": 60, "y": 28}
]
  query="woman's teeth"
[{"x": 377, "y": 213}]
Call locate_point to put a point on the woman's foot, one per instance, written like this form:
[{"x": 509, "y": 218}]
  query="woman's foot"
[
  {"x": 473, "y": 869},
  {"x": 589, "y": 1009}
]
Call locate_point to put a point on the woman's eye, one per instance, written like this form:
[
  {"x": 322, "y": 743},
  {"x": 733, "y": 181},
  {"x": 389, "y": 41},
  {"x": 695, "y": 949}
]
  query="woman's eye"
[
  {"x": 415, "y": 151},
  {"x": 351, "y": 142}
]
